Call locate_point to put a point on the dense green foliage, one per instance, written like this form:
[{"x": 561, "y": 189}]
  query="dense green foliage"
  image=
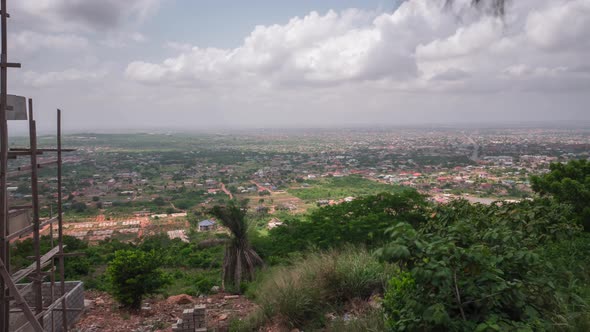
[
  {"x": 477, "y": 268},
  {"x": 341, "y": 187},
  {"x": 133, "y": 274},
  {"x": 459, "y": 267},
  {"x": 362, "y": 221},
  {"x": 568, "y": 183},
  {"x": 77, "y": 266},
  {"x": 193, "y": 268}
]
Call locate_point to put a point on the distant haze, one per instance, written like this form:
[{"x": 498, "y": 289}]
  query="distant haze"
[{"x": 114, "y": 65}]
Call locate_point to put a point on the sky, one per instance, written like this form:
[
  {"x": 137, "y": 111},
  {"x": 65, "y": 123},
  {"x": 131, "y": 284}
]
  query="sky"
[{"x": 114, "y": 65}]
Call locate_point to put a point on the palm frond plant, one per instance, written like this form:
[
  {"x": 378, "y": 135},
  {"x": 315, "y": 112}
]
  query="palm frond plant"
[{"x": 240, "y": 260}]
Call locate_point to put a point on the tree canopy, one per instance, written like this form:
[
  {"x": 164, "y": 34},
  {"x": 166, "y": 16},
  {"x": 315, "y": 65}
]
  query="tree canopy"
[
  {"x": 134, "y": 274},
  {"x": 568, "y": 183}
]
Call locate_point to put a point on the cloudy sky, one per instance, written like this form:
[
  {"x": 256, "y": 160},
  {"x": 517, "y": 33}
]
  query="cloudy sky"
[{"x": 192, "y": 64}]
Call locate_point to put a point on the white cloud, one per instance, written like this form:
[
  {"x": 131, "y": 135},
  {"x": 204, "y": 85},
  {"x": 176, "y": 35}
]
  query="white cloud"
[
  {"x": 48, "y": 79},
  {"x": 122, "y": 39},
  {"x": 30, "y": 41},
  {"x": 560, "y": 26},
  {"x": 419, "y": 46}
]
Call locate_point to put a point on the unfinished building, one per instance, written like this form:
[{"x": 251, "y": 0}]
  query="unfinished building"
[{"x": 37, "y": 297}]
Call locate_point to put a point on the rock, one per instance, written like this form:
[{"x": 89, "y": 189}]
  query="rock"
[
  {"x": 215, "y": 289},
  {"x": 209, "y": 300},
  {"x": 180, "y": 299},
  {"x": 99, "y": 301},
  {"x": 223, "y": 317},
  {"x": 375, "y": 302},
  {"x": 88, "y": 304},
  {"x": 231, "y": 297}
]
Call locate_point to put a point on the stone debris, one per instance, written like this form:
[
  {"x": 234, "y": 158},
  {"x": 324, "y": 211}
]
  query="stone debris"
[
  {"x": 192, "y": 320},
  {"x": 106, "y": 315}
]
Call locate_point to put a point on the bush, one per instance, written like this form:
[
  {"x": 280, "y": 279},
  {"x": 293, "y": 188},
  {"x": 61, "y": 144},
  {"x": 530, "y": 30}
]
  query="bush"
[
  {"x": 300, "y": 294},
  {"x": 568, "y": 183},
  {"x": 475, "y": 267},
  {"x": 362, "y": 221},
  {"x": 371, "y": 321},
  {"x": 133, "y": 274},
  {"x": 251, "y": 323}
]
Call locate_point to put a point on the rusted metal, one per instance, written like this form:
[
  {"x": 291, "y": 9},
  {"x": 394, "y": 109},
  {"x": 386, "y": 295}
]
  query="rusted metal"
[
  {"x": 29, "y": 228},
  {"x": 60, "y": 225},
  {"x": 37, "y": 283},
  {"x": 20, "y": 301},
  {"x": 4, "y": 245},
  {"x": 36, "y": 271}
]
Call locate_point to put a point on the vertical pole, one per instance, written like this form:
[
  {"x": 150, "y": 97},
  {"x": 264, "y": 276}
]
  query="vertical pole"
[
  {"x": 60, "y": 226},
  {"x": 37, "y": 286},
  {"x": 52, "y": 273},
  {"x": 4, "y": 245}
]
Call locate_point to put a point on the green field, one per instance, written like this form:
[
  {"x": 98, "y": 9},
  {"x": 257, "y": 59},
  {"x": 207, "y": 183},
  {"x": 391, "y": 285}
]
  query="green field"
[{"x": 337, "y": 188}]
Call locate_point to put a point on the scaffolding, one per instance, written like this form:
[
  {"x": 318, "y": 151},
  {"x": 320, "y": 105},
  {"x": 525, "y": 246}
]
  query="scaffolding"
[{"x": 27, "y": 301}]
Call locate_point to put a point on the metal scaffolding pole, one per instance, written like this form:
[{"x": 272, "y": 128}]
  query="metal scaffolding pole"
[
  {"x": 10, "y": 292},
  {"x": 35, "y": 193},
  {"x": 4, "y": 245},
  {"x": 60, "y": 226}
]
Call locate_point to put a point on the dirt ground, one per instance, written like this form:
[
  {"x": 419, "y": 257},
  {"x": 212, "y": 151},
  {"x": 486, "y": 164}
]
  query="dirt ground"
[{"x": 103, "y": 313}]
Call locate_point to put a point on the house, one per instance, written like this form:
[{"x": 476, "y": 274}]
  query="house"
[{"x": 207, "y": 225}]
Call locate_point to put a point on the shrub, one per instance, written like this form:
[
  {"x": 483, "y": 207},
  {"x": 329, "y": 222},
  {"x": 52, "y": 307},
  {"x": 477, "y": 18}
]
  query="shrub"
[
  {"x": 371, "y": 321},
  {"x": 300, "y": 294},
  {"x": 568, "y": 183},
  {"x": 133, "y": 274},
  {"x": 475, "y": 267},
  {"x": 362, "y": 222},
  {"x": 251, "y": 323}
]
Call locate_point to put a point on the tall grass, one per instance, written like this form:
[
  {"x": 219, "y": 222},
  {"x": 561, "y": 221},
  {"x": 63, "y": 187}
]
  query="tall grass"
[{"x": 301, "y": 294}]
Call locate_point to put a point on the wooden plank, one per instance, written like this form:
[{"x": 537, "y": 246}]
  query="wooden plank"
[
  {"x": 15, "y": 154},
  {"x": 42, "y": 150},
  {"x": 30, "y": 228},
  {"x": 20, "y": 301},
  {"x": 21, "y": 274}
]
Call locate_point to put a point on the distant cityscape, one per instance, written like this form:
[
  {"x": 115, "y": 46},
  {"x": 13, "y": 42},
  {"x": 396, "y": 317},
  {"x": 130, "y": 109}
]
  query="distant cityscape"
[{"x": 128, "y": 185}]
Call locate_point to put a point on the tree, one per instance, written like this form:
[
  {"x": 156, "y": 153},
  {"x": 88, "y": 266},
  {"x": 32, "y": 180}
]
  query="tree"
[
  {"x": 79, "y": 207},
  {"x": 568, "y": 183},
  {"x": 240, "y": 260},
  {"x": 159, "y": 201},
  {"x": 362, "y": 221},
  {"x": 132, "y": 274}
]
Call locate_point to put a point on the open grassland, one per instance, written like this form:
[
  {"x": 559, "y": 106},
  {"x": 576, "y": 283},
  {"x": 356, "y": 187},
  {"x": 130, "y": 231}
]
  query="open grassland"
[{"x": 338, "y": 188}]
